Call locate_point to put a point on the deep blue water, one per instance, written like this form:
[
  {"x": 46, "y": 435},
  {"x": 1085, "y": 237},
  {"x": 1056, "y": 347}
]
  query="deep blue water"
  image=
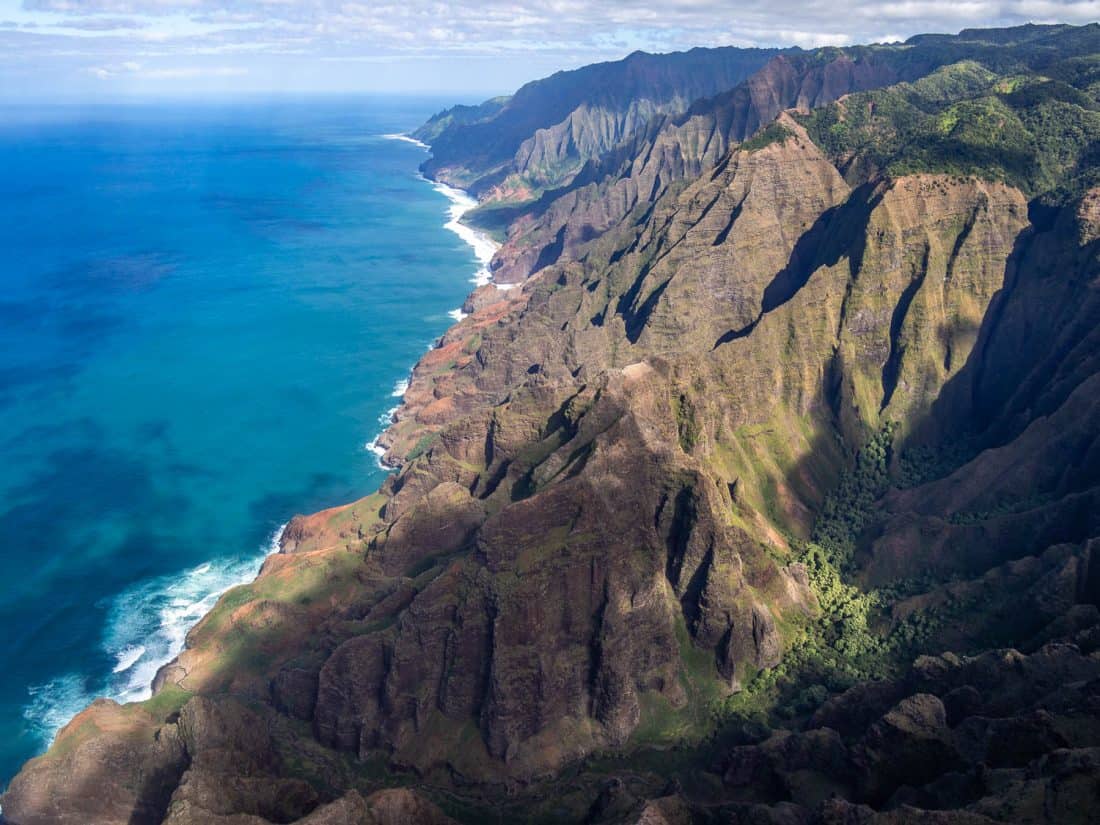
[{"x": 203, "y": 314}]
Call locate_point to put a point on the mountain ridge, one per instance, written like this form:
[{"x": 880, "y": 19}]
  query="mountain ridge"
[
  {"x": 546, "y": 131},
  {"x": 772, "y": 500}
]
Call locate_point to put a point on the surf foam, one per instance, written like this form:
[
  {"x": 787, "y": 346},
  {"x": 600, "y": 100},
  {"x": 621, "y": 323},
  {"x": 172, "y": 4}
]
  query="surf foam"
[
  {"x": 146, "y": 629},
  {"x": 407, "y": 139},
  {"x": 484, "y": 246}
]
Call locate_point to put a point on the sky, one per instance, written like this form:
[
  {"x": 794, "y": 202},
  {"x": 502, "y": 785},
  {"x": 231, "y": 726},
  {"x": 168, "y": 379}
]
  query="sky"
[{"x": 91, "y": 50}]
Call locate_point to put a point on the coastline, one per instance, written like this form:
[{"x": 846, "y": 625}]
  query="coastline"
[
  {"x": 150, "y": 622},
  {"x": 484, "y": 248},
  {"x": 483, "y": 245},
  {"x": 147, "y": 631},
  {"x": 614, "y": 569}
]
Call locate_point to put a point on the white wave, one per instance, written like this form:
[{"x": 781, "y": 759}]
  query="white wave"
[
  {"x": 53, "y": 704},
  {"x": 127, "y": 657},
  {"x": 407, "y": 139},
  {"x": 146, "y": 628},
  {"x": 373, "y": 446},
  {"x": 379, "y": 453},
  {"x": 457, "y": 314},
  {"x": 483, "y": 245},
  {"x": 384, "y": 421}
]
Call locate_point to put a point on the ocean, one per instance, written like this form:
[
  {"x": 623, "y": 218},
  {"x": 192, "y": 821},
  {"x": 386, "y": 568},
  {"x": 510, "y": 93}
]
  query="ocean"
[{"x": 207, "y": 313}]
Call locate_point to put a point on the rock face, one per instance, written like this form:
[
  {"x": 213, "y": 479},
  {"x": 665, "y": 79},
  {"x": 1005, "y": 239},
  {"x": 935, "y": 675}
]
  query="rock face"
[
  {"x": 119, "y": 766},
  {"x": 686, "y": 525},
  {"x": 545, "y": 133},
  {"x": 215, "y": 761},
  {"x": 632, "y": 175},
  {"x": 1001, "y": 737}
]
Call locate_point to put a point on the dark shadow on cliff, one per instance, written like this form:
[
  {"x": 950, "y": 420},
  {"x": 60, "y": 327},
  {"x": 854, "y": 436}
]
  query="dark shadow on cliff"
[
  {"x": 1043, "y": 314},
  {"x": 837, "y": 233}
]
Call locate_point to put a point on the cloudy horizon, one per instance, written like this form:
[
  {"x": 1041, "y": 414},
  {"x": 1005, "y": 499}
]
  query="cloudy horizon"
[{"x": 115, "y": 49}]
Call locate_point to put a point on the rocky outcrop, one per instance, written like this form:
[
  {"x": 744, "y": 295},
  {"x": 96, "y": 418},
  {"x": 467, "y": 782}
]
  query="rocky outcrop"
[
  {"x": 635, "y": 173},
  {"x": 543, "y": 649},
  {"x": 118, "y": 764},
  {"x": 214, "y": 762},
  {"x": 980, "y": 740}
]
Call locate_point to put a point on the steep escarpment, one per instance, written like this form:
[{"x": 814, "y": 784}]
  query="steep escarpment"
[
  {"x": 544, "y": 133},
  {"x": 628, "y": 178},
  {"x": 621, "y": 183},
  {"x": 777, "y": 504}
]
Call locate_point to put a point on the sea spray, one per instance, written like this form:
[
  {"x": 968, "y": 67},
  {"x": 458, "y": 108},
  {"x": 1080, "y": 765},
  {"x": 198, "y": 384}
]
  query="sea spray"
[
  {"x": 147, "y": 626},
  {"x": 407, "y": 139}
]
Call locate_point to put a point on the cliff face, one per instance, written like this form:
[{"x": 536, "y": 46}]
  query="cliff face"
[
  {"x": 778, "y": 503},
  {"x": 542, "y": 135},
  {"x": 624, "y": 180},
  {"x": 632, "y": 175}
]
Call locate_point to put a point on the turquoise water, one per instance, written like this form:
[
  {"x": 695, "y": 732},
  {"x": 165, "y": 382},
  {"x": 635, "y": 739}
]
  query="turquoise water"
[{"x": 204, "y": 311}]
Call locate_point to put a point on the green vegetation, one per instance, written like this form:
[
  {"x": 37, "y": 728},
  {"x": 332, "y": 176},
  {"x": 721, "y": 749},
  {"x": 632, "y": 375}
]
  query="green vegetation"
[
  {"x": 919, "y": 465},
  {"x": 1003, "y": 508},
  {"x": 774, "y": 132},
  {"x": 494, "y": 217},
  {"x": 168, "y": 700},
  {"x": 845, "y": 511},
  {"x": 852, "y": 638},
  {"x": 662, "y": 724},
  {"x": 1029, "y": 130},
  {"x": 687, "y": 426},
  {"x": 460, "y": 115},
  {"x": 422, "y": 446}
]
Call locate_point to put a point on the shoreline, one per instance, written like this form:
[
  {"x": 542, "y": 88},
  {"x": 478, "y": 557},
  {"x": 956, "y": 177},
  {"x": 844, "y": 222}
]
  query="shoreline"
[
  {"x": 175, "y": 604},
  {"x": 484, "y": 248},
  {"x": 483, "y": 245},
  {"x": 147, "y": 630}
]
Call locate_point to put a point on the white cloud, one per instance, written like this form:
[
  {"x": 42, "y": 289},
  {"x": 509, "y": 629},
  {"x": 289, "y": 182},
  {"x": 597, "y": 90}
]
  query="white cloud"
[
  {"x": 101, "y": 24},
  {"x": 523, "y": 24},
  {"x": 132, "y": 68},
  {"x": 289, "y": 39},
  {"x": 182, "y": 72}
]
